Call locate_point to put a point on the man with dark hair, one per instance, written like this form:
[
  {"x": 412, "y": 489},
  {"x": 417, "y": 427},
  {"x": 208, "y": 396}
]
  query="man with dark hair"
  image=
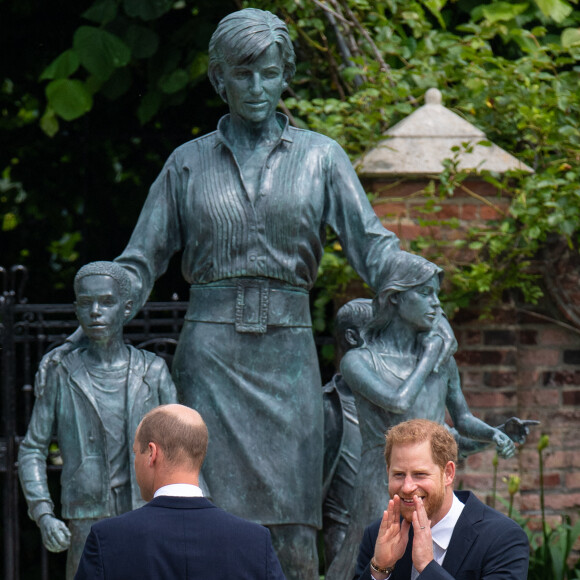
[
  {"x": 93, "y": 400},
  {"x": 430, "y": 532},
  {"x": 178, "y": 535}
]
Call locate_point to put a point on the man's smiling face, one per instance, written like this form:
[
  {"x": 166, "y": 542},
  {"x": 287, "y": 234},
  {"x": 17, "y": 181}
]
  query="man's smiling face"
[{"x": 412, "y": 472}]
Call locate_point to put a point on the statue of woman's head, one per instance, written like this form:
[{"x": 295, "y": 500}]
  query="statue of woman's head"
[{"x": 241, "y": 37}]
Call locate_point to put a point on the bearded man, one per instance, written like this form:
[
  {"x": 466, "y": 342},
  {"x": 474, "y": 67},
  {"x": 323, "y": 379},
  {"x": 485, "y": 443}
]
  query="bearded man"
[{"x": 430, "y": 532}]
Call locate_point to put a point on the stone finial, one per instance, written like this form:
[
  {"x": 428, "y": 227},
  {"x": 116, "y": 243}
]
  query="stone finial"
[
  {"x": 420, "y": 143},
  {"x": 433, "y": 96}
]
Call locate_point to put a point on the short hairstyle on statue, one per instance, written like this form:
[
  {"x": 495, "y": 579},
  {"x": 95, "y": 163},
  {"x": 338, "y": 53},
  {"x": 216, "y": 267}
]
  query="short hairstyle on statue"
[
  {"x": 443, "y": 444},
  {"x": 355, "y": 314},
  {"x": 180, "y": 440},
  {"x": 242, "y": 36},
  {"x": 111, "y": 269}
]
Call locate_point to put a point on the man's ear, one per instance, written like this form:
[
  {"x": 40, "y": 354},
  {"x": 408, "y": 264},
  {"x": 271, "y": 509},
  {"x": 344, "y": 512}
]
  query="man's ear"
[
  {"x": 153, "y": 453},
  {"x": 449, "y": 473},
  {"x": 128, "y": 308}
]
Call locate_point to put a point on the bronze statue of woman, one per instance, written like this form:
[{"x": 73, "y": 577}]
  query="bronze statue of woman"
[{"x": 248, "y": 206}]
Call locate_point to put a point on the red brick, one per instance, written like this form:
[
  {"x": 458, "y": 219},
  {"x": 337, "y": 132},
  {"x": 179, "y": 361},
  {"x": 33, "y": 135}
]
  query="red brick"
[
  {"x": 471, "y": 337},
  {"x": 561, "y": 377},
  {"x": 560, "y": 459},
  {"x": 484, "y": 357},
  {"x": 494, "y": 399},
  {"x": 469, "y": 212},
  {"x": 528, "y": 337},
  {"x": 471, "y": 378},
  {"x": 481, "y": 460},
  {"x": 557, "y": 336},
  {"x": 384, "y": 188},
  {"x": 489, "y": 213},
  {"x": 572, "y": 357},
  {"x": 390, "y": 209},
  {"x": 500, "y": 379},
  {"x": 476, "y": 482},
  {"x": 530, "y": 502},
  {"x": 527, "y": 317},
  {"x": 562, "y": 501},
  {"x": 448, "y": 211},
  {"x": 573, "y": 480},
  {"x": 408, "y": 231},
  {"x": 482, "y": 188},
  {"x": 535, "y": 523},
  {"x": 539, "y": 357},
  {"x": 543, "y": 398},
  {"x": 529, "y": 378},
  {"x": 571, "y": 398}
]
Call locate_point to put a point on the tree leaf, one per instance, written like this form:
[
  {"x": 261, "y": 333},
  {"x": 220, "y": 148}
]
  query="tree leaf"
[
  {"x": 502, "y": 11},
  {"x": 143, "y": 42},
  {"x": 147, "y": 9},
  {"x": 557, "y": 10},
  {"x": 70, "y": 99},
  {"x": 100, "y": 52},
  {"x": 101, "y": 12},
  {"x": 435, "y": 7},
  {"x": 62, "y": 66},
  {"x": 49, "y": 122},
  {"x": 148, "y": 107},
  {"x": 570, "y": 37},
  {"x": 174, "y": 81}
]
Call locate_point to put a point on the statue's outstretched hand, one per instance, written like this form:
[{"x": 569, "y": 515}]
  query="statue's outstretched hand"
[
  {"x": 443, "y": 329},
  {"x": 517, "y": 429},
  {"x": 505, "y": 447},
  {"x": 55, "y": 534},
  {"x": 56, "y": 355}
]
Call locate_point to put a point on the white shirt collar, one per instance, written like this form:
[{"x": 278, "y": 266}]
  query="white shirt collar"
[
  {"x": 441, "y": 532},
  {"x": 180, "y": 490}
]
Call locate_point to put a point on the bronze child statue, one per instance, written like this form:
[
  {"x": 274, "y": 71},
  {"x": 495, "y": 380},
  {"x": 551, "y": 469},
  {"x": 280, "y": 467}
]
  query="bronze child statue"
[
  {"x": 393, "y": 378},
  {"x": 93, "y": 400}
]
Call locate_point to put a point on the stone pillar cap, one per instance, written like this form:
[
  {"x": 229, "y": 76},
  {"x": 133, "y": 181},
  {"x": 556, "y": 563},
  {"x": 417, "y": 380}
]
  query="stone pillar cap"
[{"x": 419, "y": 143}]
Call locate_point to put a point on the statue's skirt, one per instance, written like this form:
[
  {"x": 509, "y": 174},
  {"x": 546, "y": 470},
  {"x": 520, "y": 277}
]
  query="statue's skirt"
[{"x": 261, "y": 398}]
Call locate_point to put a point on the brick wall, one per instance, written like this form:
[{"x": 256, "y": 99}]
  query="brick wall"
[{"x": 523, "y": 361}]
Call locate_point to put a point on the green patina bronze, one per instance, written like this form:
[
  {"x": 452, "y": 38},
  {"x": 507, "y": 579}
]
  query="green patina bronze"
[{"x": 93, "y": 400}]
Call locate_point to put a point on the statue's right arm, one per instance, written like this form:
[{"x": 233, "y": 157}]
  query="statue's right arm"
[
  {"x": 33, "y": 450},
  {"x": 157, "y": 235},
  {"x": 359, "y": 371}
]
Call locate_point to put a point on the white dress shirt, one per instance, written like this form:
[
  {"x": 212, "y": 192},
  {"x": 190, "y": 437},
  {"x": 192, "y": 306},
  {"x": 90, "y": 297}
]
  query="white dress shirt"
[
  {"x": 441, "y": 533},
  {"x": 180, "y": 490}
]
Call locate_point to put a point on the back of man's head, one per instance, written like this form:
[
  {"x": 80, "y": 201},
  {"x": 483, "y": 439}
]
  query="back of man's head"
[
  {"x": 443, "y": 444},
  {"x": 179, "y": 432}
]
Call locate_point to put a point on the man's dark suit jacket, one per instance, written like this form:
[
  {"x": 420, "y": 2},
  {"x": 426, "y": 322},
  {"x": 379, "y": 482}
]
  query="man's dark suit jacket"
[
  {"x": 484, "y": 544},
  {"x": 178, "y": 538}
]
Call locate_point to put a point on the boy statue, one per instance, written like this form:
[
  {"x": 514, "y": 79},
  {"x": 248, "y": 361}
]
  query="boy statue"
[{"x": 93, "y": 400}]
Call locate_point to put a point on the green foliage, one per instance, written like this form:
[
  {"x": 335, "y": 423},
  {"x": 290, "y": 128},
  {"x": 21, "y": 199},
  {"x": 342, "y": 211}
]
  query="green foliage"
[
  {"x": 133, "y": 70},
  {"x": 551, "y": 549},
  {"x": 510, "y": 68}
]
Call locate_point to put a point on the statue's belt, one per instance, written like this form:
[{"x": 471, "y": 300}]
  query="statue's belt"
[{"x": 251, "y": 305}]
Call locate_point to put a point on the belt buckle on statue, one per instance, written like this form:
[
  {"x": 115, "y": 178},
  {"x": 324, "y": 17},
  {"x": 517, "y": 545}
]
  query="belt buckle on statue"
[{"x": 252, "y": 303}]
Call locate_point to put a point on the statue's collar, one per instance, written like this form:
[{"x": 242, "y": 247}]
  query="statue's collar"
[{"x": 225, "y": 120}]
